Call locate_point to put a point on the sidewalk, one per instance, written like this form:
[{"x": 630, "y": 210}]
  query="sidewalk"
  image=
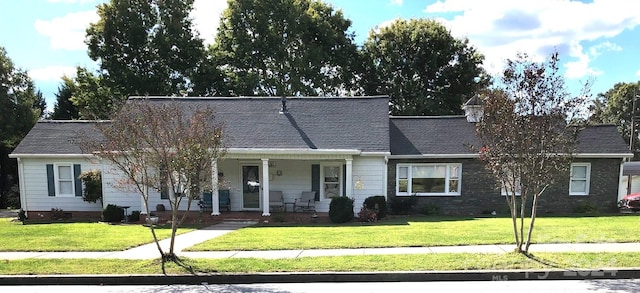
[{"x": 183, "y": 241}]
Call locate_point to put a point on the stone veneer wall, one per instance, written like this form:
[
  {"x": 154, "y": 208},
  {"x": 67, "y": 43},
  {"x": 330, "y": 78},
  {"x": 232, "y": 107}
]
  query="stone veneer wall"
[{"x": 480, "y": 195}]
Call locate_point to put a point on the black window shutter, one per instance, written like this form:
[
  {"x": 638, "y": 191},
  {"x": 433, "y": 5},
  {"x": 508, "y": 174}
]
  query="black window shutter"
[
  {"x": 76, "y": 178},
  {"x": 51, "y": 185},
  {"x": 315, "y": 180},
  {"x": 344, "y": 180}
]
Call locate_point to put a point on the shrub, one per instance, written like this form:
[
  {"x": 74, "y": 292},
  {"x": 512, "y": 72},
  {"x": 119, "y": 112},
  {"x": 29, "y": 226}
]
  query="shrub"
[
  {"x": 135, "y": 216},
  {"x": 112, "y": 213},
  {"x": 160, "y": 207},
  {"x": 377, "y": 203},
  {"x": 92, "y": 180},
  {"x": 431, "y": 209},
  {"x": 57, "y": 214},
  {"x": 22, "y": 215},
  {"x": 402, "y": 205},
  {"x": 341, "y": 209},
  {"x": 585, "y": 208},
  {"x": 367, "y": 215}
]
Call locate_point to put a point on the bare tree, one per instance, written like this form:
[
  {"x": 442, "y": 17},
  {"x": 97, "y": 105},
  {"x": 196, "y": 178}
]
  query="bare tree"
[
  {"x": 526, "y": 139},
  {"x": 166, "y": 146}
]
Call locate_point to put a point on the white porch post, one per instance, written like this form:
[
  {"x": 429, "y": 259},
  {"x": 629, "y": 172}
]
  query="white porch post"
[
  {"x": 265, "y": 188},
  {"x": 349, "y": 178},
  {"x": 215, "y": 202}
]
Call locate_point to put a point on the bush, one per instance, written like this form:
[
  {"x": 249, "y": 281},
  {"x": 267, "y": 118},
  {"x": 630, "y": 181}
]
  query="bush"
[
  {"x": 378, "y": 204},
  {"x": 135, "y": 216},
  {"x": 92, "y": 180},
  {"x": 22, "y": 215},
  {"x": 113, "y": 214},
  {"x": 341, "y": 209},
  {"x": 57, "y": 214},
  {"x": 432, "y": 209},
  {"x": 402, "y": 205},
  {"x": 585, "y": 208},
  {"x": 367, "y": 215}
]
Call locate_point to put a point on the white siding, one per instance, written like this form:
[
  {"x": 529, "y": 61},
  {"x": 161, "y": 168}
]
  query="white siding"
[
  {"x": 34, "y": 184},
  {"x": 371, "y": 172}
]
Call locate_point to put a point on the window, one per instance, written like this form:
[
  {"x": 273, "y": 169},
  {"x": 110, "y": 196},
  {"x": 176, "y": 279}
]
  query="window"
[
  {"x": 579, "y": 181},
  {"x": 64, "y": 180},
  {"x": 331, "y": 181},
  {"x": 506, "y": 188},
  {"x": 428, "y": 179}
]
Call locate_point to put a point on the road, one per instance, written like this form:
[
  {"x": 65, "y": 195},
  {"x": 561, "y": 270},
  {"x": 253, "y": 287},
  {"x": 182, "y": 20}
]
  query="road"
[{"x": 622, "y": 285}]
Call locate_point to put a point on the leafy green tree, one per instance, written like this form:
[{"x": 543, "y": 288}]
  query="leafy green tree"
[
  {"x": 285, "y": 47},
  {"x": 148, "y": 47},
  {"x": 21, "y": 106},
  {"x": 615, "y": 106},
  {"x": 525, "y": 140},
  {"x": 93, "y": 97},
  {"x": 64, "y": 108},
  {"x": 423, "y": 69}
]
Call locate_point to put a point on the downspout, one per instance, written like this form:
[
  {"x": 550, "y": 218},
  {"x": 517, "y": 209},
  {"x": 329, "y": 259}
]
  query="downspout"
[
  {"x": 385, "y": 180},
  {"x": 620, "y": 176},
  {"x": 22, "y": 186}
]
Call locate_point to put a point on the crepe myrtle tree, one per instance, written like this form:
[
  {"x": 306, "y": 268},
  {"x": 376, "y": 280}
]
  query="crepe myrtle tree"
[
  {"x": 164, "y": 146},
  {"x": 526, "y": 139}
]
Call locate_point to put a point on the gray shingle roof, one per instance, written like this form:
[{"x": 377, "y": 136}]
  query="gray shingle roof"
[
  {"x": 360, "y": 123},
  {"x": 431, "y": 135},
  {"x": 57, "y": 137},
  {"x": 601, "y": 139},
  {"x": 453, "y": 135}
]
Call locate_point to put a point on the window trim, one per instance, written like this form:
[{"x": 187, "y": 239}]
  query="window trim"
[
  {"x": 447, "y": 178},
  {"x": 322, "y": 177},
  {"x": 587, "y": 179},
  {"x": 56, "y": 180},
  {"x": 505, "y": 192}
]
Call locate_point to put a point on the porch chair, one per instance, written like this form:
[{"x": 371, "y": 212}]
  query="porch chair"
[
  {"x": 224, "y": 200},
  {"x": 306, "y": 202},
  {"x": 276, "y": 200}
]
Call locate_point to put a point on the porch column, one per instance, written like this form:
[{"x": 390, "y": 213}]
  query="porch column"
[
  {"x": 215, "y": 202},
  {"x": 349, "y": 178},
  {"x": 265, "y": 188}
]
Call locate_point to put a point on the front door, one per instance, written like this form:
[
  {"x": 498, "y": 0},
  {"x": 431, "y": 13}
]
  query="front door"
[{"x": 251, "y": 187}]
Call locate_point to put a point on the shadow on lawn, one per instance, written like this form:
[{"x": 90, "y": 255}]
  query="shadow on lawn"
[{"x": 391, "y": 220}]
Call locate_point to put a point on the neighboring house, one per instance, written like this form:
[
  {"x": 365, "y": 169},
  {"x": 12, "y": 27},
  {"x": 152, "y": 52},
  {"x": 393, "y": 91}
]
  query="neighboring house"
[{"x": 334, "y": 146}]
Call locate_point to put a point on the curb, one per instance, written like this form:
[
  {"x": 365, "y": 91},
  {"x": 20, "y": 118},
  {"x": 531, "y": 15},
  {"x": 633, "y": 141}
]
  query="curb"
[{"x": 320, "y": 277}]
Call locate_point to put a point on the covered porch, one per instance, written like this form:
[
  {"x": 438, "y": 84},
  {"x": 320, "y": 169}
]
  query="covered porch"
[{"x": 250, "y": 175}]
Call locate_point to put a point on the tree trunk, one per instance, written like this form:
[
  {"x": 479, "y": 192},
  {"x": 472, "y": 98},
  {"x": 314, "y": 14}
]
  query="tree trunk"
[
  {"x": 534, "y": 210},
  {"x": 512, "y": 207}
]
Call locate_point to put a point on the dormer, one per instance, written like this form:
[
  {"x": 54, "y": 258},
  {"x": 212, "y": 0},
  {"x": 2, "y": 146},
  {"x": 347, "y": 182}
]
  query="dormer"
[{"x": 473, "y": 109}]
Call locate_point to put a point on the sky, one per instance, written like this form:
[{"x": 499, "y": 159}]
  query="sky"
[{"x": 597, "y": 40}]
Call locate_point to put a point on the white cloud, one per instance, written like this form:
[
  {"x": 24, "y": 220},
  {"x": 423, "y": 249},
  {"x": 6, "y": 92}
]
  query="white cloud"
[
  {"x": 51, "y": 73},
  {"x": 67, "y": 32},
  {"x": 396, "y": 2},
  {"x": 501, "y": 28},
  {"x": 638, "y": 72},
  {"x": 206, "y": 18}
]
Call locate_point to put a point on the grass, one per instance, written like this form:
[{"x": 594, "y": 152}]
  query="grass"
[
  {"x": 76, "y": 236},
  {"x": 372, "y": 263},
  {"x": 425, "y": 231}
]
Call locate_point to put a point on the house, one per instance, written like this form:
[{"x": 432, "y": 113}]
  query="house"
[{"x": 333, "y": 146}]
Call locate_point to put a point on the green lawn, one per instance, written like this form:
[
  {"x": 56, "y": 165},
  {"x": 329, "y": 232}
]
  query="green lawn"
[
  {"x": 426, "y": 231},
  {"x": 371, "y": 263},
  {"x": 75, "y": 236}
]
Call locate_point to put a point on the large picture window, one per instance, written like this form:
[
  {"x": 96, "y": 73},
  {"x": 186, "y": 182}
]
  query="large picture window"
[
  {"x": 428, "y": 179},
  {"x": 580, "y": 177}
]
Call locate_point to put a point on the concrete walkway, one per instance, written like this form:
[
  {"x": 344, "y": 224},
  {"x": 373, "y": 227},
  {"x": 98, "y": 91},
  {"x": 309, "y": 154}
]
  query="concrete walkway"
[{"x": 183, "y": 241}]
